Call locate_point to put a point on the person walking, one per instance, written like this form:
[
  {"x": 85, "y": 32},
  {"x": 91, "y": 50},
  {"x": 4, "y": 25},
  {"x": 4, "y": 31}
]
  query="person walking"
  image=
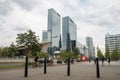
[
  {"x": 36, "y": 61},
  {"x": 94, "y": 60},
  {"x": 108, "y": 61}
]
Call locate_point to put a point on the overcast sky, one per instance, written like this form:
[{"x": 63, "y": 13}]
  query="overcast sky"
[{"x": 94, "y": 18}]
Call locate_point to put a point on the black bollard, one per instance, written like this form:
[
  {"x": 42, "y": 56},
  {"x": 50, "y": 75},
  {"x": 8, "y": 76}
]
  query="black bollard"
[
  {"x": 45, "y": 65},
  {"x": 68, "y": 69},
  {"x": 97, "y": 68},
  {"x": 26, "y": 67}
]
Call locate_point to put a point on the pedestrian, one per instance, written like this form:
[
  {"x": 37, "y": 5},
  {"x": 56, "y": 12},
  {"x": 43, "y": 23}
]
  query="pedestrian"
[
  {"x": 36, "y": 60},
  {"x": 95, "y": 60},
  {"x": 108, "y": 61},
  {"x": 89, "y": 60}
]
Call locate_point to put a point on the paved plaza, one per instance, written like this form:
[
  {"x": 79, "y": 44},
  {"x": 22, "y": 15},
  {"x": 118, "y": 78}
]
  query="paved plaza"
[{"x": 79, "y": 71}]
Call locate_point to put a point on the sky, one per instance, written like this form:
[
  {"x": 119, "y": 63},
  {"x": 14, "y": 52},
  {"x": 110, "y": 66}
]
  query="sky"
[{"x": 94, "y": 18}]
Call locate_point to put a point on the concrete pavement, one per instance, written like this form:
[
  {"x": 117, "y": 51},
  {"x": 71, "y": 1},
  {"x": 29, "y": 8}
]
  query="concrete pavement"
[{"x": 79, "y": 71}]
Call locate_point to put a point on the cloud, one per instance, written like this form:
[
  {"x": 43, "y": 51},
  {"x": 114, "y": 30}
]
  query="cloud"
[
  {"x": 2, "y": 24},
  {"x": 92, "y": 17},
  {"x": 5, "y": 7},
  {"x": 26, "y": 4},
  {"x": 103, "y": 13},
  {"x": 7, "y": 36},
  {"x": 20, "y": 28}
]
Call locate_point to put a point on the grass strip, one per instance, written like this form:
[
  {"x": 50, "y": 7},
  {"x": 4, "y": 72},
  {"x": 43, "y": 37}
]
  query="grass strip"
[{"x": 5, "y": 67}]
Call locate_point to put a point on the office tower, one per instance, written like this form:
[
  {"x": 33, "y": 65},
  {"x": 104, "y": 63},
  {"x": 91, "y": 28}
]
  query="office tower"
[
  {"x": 89, "y": 43},
  {"x": 85, "y": 51},
  {"x": 46, "y": 36},
  {"x": 111, "y": 41},
  {"x": 54, "y": 26},
  {"x": 68, "y": 26},
  {"x": 82, "y": 49}
]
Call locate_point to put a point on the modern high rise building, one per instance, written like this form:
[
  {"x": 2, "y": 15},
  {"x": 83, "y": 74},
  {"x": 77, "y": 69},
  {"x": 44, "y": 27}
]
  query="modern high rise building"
[
  {"x": 46, "y": 36},
  {"x": 89, "y": 43},
  {"x": 111, "y": 41},
  {"x": 85, "y": 50},
  {"x": 68, "y": 26},
  {"x": 82, "y": 49},
  {"x": 54, "y": 26}
]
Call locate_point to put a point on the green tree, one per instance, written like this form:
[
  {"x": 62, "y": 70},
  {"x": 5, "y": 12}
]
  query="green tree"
[
  {"x": 30, "y": 40},
  {"x": 65, "y": 55},
  {"x": 0, "y": 52},
  {"x": 99, "y": 53},
  {"x": 115, "y": 54},
  {"x": 12, "y": 50},
  {"x": 42, "y": 55},
  {"x": 5, "y": 51},
  {"x": 70, "y": 54},
  {"x": 76, "y": 53},
  {"x": 107, "y": 52},
  {"x": 9, "y": 51}
]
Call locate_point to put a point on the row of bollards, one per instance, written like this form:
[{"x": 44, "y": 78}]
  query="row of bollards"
[
  {"x": 45, "y": 67},
  {"x": 26, "y": 66},
  {"x": 68, "y": 67}
]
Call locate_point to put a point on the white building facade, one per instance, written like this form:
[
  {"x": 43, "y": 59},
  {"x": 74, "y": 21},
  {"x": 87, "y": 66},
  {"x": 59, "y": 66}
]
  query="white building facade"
[{"x": 111, "y": 41}]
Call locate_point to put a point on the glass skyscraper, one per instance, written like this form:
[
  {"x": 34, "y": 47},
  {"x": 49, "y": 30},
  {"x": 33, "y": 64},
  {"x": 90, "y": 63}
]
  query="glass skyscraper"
[
  {"x": 89, "y": 43},
  {"x": 46, "y": 36},
  {"x": 54, "y": 26},
  {"x": 68, "y": 26}
]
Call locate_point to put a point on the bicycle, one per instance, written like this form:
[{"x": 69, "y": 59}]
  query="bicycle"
[{"x": 34, "y": 65}]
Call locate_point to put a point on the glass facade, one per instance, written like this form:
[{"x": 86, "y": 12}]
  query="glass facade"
[
  {"x": 54, "y": 26},
  {"x": 89, "y": 42},
  {"x": 46, "y": 36},
  {"x": 111, "y": 41},
  {"x": 68, "y": 26}
]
